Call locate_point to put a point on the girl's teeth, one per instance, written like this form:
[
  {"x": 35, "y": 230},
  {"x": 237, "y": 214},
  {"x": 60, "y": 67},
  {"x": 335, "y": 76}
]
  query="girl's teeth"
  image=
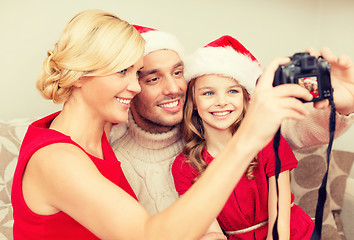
[{"x": 221, "y": 113}]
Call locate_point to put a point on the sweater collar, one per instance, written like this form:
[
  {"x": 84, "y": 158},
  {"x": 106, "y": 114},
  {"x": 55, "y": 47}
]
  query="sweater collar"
[{"x": 151, "y": 140}]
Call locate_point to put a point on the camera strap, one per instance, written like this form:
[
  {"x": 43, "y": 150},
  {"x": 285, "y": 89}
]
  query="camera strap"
[
  {"x": 276, "y": 142},
  {"x": 322, "y": 193}
]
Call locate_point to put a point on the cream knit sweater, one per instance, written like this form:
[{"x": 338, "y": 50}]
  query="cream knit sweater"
[{"x": 147, "y": 158}]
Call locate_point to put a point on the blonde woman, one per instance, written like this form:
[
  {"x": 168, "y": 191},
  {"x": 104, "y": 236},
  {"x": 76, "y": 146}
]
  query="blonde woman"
[{"x": 68, "y": 183}]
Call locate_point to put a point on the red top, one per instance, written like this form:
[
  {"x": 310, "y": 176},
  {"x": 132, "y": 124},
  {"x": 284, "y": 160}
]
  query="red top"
[
  {"x": 248, "y": 203},
  {"x": 29, "y": 225}
]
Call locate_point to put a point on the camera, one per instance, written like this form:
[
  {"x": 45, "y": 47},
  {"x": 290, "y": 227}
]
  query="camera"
[{"x": 309, "y": 72}]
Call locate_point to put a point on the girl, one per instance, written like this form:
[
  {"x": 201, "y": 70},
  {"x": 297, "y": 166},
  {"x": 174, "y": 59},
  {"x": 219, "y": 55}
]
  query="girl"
[
  {"x": 68, "y": 183},
  {"x": 222, "y": 77}
]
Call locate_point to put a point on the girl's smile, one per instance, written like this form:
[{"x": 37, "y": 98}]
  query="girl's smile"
[{"x": 219, "y": 101}]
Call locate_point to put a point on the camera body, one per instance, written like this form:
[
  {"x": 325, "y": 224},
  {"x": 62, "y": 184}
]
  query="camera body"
[{"x": 309, "y": 72}]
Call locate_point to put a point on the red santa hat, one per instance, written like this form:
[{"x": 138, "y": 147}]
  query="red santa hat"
[
  {"x": 158, "y": 40},
  {"x": 226, "y": 57},
  {"x": 307, "y": 80}
]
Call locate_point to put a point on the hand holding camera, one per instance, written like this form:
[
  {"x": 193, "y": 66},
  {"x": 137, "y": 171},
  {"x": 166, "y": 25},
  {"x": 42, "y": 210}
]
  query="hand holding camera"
[
  {"x": 310, "y": 72},
  {"x": 342, "y": 80}
]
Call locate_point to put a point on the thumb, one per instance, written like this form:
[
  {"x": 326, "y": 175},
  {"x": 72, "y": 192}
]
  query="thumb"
[{"x": 266, "y": 79}]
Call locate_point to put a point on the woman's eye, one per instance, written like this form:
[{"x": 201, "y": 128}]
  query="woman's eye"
[
  {"x": 233, "y": 91},
  {"x": 123, "y": 72},
  {"x": 138, "y": 73}
]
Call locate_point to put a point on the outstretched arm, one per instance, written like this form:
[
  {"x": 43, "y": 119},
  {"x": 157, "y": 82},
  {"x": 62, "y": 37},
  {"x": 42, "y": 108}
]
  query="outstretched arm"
[{"x": 60, "y": 177}]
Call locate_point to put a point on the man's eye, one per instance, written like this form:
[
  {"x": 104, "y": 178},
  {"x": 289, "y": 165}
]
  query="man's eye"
[
  {"x": 179, "y": 72},
  {"x": 153, "y": 79},
  {"x": 123, "y": 72}
]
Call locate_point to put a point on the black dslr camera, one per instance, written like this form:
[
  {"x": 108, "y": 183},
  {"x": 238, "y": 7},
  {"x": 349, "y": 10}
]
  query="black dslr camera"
[{"x": 309, "y": 72}]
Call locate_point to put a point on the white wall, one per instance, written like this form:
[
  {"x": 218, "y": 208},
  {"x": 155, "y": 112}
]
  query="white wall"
[{"x": 268, "y": 29}]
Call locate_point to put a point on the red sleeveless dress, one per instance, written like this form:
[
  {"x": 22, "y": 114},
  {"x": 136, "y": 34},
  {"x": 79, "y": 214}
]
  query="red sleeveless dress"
[
  {"x": 29, "y": 225},
  {"x": 247, "y": 206}
]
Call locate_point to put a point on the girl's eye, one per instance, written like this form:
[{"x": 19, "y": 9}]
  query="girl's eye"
[
  {"x": 233, "y": 91},
  {"x": 208, "y": 93}
]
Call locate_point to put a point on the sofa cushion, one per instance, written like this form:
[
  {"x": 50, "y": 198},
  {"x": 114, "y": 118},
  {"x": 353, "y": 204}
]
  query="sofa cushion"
[{"x": 11, "y": 135}]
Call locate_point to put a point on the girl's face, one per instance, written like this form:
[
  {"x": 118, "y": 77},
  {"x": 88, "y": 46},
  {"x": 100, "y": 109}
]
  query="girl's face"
[
  {"x": 109, "y": 97},
  {"x": 219, "y": 101}
]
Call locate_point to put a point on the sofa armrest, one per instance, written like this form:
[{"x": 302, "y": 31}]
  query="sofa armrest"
[{"x": 11, "y": 135}]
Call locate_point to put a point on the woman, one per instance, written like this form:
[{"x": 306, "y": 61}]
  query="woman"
[{"x": 68, "y": 183}]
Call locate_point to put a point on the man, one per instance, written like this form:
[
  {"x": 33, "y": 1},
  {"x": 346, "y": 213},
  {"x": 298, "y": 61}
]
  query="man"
[
  {"x": 153, "y": 140},
  {"x": 148, "y": 144}
]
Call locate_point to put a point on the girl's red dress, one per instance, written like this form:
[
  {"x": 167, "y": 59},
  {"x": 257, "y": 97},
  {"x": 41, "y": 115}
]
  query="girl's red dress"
[
  {"x": 248, "y": 203},
  {"x": 29, "y": 225}
]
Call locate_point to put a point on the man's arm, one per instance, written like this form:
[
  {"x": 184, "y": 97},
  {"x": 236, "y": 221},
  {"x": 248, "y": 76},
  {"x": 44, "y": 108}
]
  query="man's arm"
[{"x": 314, "y": 128}]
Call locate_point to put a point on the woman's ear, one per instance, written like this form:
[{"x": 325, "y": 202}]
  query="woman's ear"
[{"x": 78, "y": 83}]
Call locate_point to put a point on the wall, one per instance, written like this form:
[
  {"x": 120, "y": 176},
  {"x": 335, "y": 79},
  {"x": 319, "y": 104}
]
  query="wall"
[{"x": 268, "y": 28}]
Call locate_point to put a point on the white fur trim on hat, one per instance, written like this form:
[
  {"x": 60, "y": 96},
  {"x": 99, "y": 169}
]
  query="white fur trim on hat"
[
  {"x": 224, "y": 61},
  {"x": 157, "y": 40}
]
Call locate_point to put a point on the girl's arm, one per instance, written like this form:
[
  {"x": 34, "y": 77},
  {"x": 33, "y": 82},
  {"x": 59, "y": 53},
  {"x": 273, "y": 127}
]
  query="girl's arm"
[
  {"x": 215, "y": 227},
  {"x": 214, "y": 232},
  {"x": 284, "y": 206}
]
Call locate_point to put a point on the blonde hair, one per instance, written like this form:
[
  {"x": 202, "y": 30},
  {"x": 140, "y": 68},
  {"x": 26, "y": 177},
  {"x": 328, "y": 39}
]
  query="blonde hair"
[
  {"x": 193, "y": 132},
  {"x": 93, "y": 43}
]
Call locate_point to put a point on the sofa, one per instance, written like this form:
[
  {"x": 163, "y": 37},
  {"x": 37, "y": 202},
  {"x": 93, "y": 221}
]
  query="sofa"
[{"x": 305, "y": 180}]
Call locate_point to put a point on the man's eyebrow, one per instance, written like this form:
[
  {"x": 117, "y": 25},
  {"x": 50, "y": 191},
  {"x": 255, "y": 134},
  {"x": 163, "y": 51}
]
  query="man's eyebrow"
[
  {"x": 153, "y": 71},
  {"x": 145, "y": 73},
  {"x": 179, "y": 64}
]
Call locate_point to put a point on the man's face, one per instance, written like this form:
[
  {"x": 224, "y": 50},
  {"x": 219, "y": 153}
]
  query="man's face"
[{"x": 159, "y": 105}]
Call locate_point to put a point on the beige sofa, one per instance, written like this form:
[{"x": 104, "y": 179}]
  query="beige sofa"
[{"x": 305, "y": 181}]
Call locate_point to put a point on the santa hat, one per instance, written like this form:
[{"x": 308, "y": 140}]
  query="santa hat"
[
  {"x": 226, "y": 57},
  {"x": 307, "y": 80},
  {"x": 158, "y": 40}
]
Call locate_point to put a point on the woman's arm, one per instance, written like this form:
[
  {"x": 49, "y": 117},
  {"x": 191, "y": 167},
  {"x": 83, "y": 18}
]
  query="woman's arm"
[
  {"x": 284, "y": 206},
  {"x": 60, "y": 177}
]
